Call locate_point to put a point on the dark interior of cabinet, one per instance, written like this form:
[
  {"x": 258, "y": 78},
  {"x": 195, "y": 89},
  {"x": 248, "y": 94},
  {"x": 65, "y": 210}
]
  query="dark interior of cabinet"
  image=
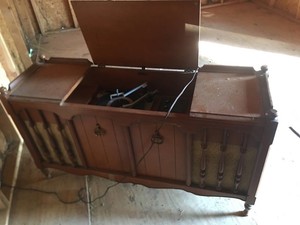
[{"x": 163, "y": 86}]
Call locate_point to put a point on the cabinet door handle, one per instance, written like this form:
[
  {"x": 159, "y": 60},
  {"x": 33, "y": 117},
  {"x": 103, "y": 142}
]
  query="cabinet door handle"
[{"x": 99, "y": 131}]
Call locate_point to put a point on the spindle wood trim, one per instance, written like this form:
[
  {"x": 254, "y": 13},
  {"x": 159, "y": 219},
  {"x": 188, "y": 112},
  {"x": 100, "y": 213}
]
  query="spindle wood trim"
[
  {"x": 203, "y": 160},
  {"x": 65, "y": 139},
  {"x": 37, "y": 136},
  {"x": 239, "y": 171},
  {"x": 53, "y": 142},
  {"x": 70, "y": 125},
  {"x": 221, "y": 164}
]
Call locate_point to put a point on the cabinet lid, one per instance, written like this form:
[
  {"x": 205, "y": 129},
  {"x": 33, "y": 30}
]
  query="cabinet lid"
[{"x": 154, "y": 34}]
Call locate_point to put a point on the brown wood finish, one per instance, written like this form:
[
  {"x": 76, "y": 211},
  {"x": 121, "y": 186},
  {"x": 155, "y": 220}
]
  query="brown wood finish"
[
  {"x": 138, "y": 40},
  {"x": 203, "y": 146},
  {"x": 206, "y": 152}
]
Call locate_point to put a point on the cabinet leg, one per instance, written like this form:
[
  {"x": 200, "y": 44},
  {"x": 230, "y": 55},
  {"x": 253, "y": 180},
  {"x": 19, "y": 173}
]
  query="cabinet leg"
[{"x": 247, "y": 209}]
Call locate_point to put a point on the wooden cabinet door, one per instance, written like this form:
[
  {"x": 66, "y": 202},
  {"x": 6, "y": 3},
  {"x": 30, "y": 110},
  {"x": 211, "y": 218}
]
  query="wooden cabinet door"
[
  {"x": 167, "y": 159},
  {"x": 105, "y": 143}
]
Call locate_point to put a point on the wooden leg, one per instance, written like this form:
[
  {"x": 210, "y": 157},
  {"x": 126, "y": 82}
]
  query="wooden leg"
[{"x": 247, "y": 209}]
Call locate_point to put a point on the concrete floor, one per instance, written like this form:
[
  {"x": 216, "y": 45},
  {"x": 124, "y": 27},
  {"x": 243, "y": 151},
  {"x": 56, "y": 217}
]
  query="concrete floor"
[{"x": 241, "y": 34}]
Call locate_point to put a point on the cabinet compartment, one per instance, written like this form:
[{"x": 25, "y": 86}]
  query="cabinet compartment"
[
  {"x": 108, "y": 80},
  {"x": 105, "y": 143},
  {"x": 52, "y": 137}
]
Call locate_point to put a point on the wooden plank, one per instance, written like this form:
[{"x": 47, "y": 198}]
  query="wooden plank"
[
  {"x": 38, "y": 17},
  {"x": 6, "y": 61},
  {"x": 52, "y": 15},
  {"x": 96, "y": 157},
  {"x": 27, "y": 21},
  {"x": 167, "y": 153},
  {"x": 180, "y": 156},
  {"x": 138, "y": 149},
  {"x": 75, "y": 21},
  {"x": 151, "y": 152},
  {"x": 11, "y": 31},
  {"x": 112, "y": 145},
  {"x": 11, "y": 166}
]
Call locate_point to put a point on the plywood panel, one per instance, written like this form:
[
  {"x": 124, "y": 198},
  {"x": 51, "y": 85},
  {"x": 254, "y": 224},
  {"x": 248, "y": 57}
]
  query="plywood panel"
[
  {"x": 12, "y": 34},
  {"x": 75, "y": 21},
  {"x": 28, "y": 22},
  {"x": 6, "y": 63},
  {"x": 52, "y": 15}
]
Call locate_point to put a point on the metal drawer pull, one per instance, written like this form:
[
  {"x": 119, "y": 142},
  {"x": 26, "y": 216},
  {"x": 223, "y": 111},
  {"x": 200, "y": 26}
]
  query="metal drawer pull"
[{"x": 99, "y": 131}]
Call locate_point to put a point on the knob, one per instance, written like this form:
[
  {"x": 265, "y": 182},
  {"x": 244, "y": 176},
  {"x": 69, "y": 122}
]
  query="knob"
[{"x": 99, "y": 131}]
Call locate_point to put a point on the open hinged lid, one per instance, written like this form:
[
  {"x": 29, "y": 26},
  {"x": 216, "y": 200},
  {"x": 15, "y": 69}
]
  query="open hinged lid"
[{"x": 140, "y": 33}]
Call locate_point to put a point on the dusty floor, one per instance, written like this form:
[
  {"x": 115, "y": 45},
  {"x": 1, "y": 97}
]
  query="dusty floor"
[{"x": 241, "y": 34}]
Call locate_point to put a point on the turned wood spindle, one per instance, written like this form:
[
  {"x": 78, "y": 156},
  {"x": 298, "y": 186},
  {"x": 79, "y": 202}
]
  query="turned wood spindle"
[
  {"x": 66, "y": 142},
  {"x": 221, "y": 165},
  {"x": 203, "y": 159},
  {"x": 239, "y": 170},
  {"x": 42, "y": 146},
  {"x": 51, "y": 138}
]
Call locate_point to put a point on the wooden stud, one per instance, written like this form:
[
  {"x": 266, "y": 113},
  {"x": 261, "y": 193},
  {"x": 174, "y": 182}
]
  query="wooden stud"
[
  {"x": 27, "y": 21},
  {"x": 75, "y": 21},
  {"x": 54, "y": 15},
  {"x": 38, "y": 17},
  {"x": 11, "y": 31},
  {"x": 6, "y": 60}
]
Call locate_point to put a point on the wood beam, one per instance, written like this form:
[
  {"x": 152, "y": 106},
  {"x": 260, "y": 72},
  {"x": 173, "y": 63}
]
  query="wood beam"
[
  {"x": 13, "y": 36},
  {"x": 6, "y": 60},
  {"x": 38, "y": 17},
  {"x": 27, "y": 21},
  {"x": 75, "y": 21}
]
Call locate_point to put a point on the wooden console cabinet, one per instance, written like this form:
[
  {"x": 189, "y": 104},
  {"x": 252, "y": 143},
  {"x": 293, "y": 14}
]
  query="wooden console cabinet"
[{"x": 213, "y": 141}]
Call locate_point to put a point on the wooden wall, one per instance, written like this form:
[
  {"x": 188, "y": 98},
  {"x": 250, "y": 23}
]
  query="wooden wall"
[
  {"x": 13, "y": 50},
  {"x": 54, "y": 15},
  {"x": 21, "y": 24}
]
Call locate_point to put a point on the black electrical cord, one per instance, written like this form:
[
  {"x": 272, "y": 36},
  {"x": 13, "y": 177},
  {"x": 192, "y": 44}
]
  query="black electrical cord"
[
  {"x": 80, "y": 196},
  {"x": 44, "y": 192}
]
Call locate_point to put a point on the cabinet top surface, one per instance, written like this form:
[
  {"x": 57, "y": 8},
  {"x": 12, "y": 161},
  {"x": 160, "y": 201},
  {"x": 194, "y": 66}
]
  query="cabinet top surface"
[
  {"x": 51, "y": 81},
  {"x": 228, "y": 94},
  {"x": 157, "y": 34}
]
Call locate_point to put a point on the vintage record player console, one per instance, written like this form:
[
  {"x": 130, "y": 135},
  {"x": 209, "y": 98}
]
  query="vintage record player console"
[{"x": 143, "y": 112}]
